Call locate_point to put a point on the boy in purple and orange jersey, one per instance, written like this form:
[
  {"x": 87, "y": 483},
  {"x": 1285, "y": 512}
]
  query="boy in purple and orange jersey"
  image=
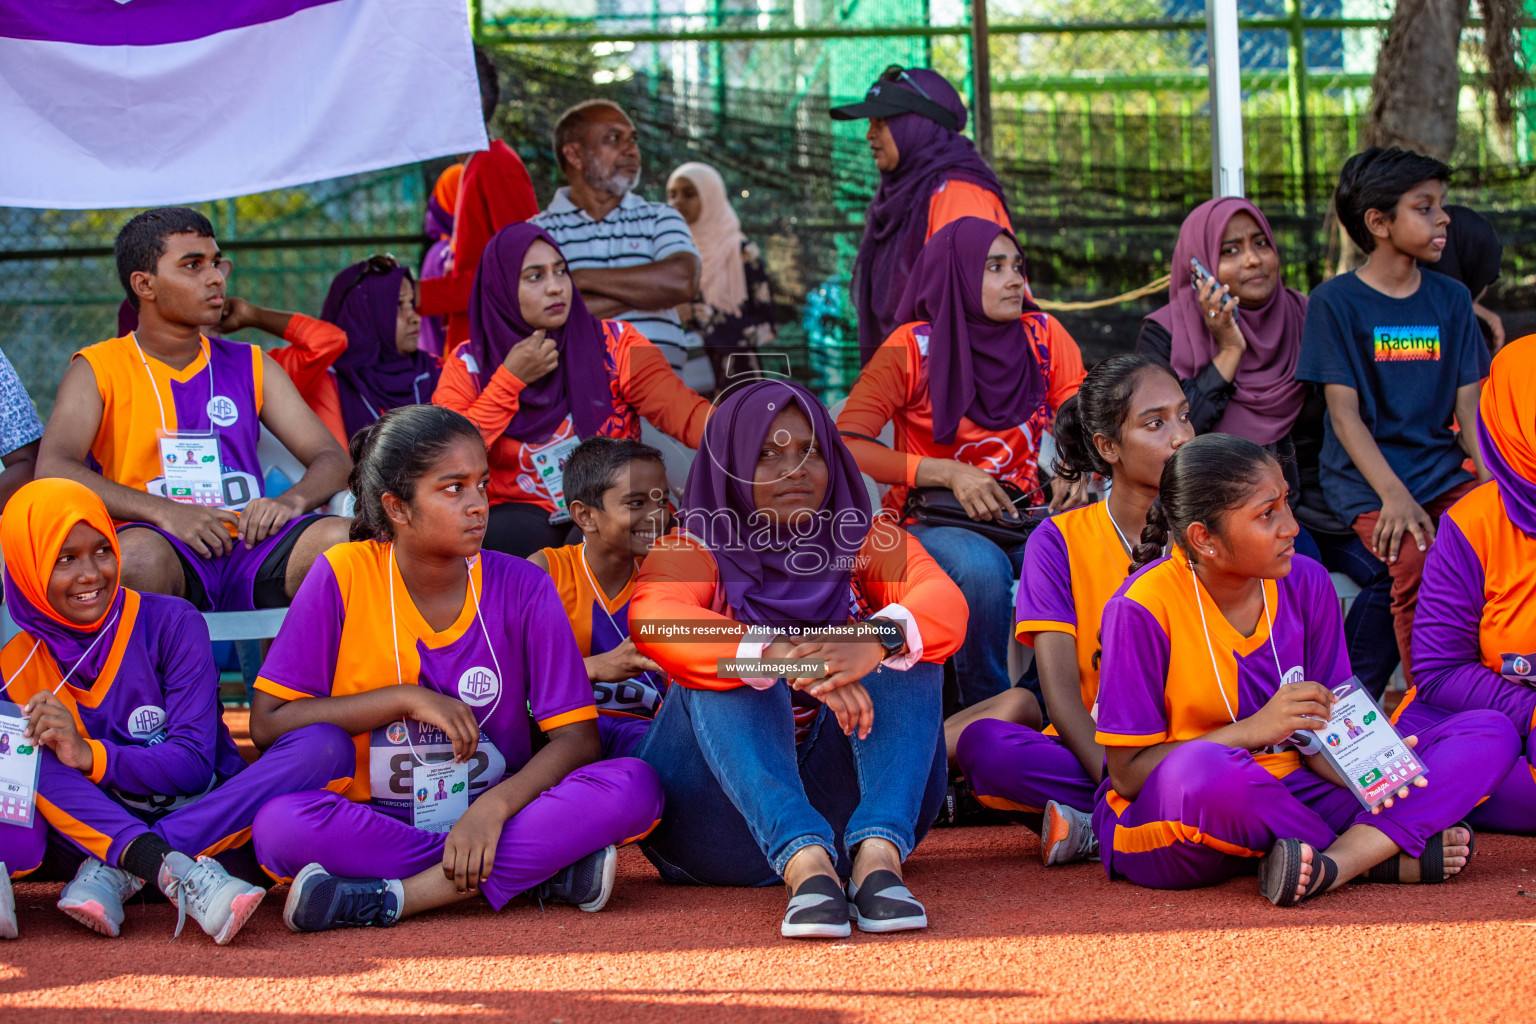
[
  {"x": 1474, "y": 637},
  {"x": 138, "y": 774},
  {"x": 164, "y": 422},
  {"x": 616, "y": 489},
  {"x": 1397, "y": 353}
]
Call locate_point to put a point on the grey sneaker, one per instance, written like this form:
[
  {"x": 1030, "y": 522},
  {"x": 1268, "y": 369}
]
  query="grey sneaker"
[
  {"x": 95, "y": 897},
  {"x": 203, "y": 889},
  {"x": 587, "y": 884},
  {"x": 1066, "y": 835},
  {"x": 7, "y": 905}
]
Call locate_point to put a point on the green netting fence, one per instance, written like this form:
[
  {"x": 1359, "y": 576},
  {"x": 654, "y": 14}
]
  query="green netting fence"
[{"x": 1099, "y": 127}]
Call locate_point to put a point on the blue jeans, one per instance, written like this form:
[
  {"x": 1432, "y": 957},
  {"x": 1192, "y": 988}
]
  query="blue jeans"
[
  {"x": 1368, "y": 631},
  {"x": 984, "y": 573},
  {"x": 742, "y": 797}
]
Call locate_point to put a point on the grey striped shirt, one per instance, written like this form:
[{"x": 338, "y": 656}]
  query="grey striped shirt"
[{"x": 638, "y": 231}]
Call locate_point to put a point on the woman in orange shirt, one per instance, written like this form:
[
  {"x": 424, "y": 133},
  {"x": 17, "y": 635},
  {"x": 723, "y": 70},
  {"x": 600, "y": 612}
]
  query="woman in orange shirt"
[
  {"x": 779, "y": 559},
  {"x": 972, "y": 380},
  {"x": 540, "y": 374}
]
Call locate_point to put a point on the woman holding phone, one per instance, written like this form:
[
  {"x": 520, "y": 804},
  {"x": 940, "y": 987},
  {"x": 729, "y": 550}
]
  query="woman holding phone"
[{"x": 1231, "y": 333}]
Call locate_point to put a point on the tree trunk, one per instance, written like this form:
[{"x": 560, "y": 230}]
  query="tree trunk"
[{"x": 1418, "y": 81}]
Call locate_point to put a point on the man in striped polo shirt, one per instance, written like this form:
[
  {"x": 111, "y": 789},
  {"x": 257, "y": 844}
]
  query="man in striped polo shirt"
[{"x": 630, "y": 258}]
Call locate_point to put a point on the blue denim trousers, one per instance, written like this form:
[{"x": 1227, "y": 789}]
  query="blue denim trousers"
[
  {"x": 984, "y": 573},
  {"x": 742, "y": 797}
]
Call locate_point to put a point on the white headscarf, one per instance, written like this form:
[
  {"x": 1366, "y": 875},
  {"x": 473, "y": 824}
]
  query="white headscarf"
[{"x": 717, "y": 234}]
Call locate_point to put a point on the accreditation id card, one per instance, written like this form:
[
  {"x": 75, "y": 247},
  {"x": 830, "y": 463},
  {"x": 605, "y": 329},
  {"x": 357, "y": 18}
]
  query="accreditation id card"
[
  {"x": 189, "y": 464},
  {"x": 549, "y": 466},
  {"x": 1362, "y": 745},
  {"x": 18, "y": 767}
]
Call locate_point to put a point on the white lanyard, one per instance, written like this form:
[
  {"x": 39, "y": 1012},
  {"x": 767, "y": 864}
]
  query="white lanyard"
[
  {"x": 603, "y": 598},
  {"x": 582, "y": 551},
  {"x": 1128, "y": 549},
  {"x": 78, "y": 661},
  {"x": 154, "y": 386},
  {"x": 1280, "y": 672},
  {"x": 394, "y": 640}
]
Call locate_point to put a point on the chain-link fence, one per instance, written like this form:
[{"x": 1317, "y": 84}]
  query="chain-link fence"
[{"x": 1099, "y": 128}]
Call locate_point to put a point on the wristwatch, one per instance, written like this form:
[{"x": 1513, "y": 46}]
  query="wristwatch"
[{"x": 891, "y": 636}]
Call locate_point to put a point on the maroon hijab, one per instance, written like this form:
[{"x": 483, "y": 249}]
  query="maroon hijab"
[
  {"x": 1267, "y": 398},
  {"x": 977, "y": 368}
]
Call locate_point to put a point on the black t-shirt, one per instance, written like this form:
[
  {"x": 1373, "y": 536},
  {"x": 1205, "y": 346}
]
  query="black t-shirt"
[{"x": 1405, "y": 358}]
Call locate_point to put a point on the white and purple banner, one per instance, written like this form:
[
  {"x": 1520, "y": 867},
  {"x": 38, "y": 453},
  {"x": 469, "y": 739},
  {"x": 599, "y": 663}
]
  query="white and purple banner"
[{"x": 115, "y": 103}]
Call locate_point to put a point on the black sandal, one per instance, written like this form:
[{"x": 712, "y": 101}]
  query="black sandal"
[
  {"x": 1431, "y": 861},
  {"x": 1281, "y": 870}
]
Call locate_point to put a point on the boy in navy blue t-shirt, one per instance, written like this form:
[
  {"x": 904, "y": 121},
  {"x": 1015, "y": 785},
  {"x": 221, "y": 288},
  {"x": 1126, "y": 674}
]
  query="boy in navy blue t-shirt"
[{"x": 1399, "y": 354}]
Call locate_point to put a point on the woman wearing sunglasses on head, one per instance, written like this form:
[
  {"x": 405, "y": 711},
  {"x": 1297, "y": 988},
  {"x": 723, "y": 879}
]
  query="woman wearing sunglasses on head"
[
  {"x": 540, "y": 374},
  {"x": 930, "y": 175}
]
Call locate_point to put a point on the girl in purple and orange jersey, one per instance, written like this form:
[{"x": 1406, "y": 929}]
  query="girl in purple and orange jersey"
[
  {"x": 1124, "y": 422},
  {"x": 1474, "y": 638},
  {"x": 434, "y": 654},
  {"x": 137, "y": 775},
  {"x": 1217, "y": 653}
]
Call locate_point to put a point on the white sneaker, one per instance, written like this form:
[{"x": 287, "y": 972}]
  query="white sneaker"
[
  {"x": 203, "y": 889},
  {"x": 7, "y": 905},
  {"x": 95, "y": 897}
]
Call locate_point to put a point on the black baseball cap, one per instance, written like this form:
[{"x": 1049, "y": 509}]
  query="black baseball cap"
[{"x": 899, "y": 91}]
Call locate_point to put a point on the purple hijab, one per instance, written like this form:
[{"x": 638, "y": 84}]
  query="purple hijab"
[
  {"x": 372, "y": 375},
  {"x": 1266, "y": 398},
  {"x": 578, "y": 385},
  {"x": 773, "y": 578},
  {"x": 437, "y": 226},
  {"x": 977, "y": 367},
  {"x": 896, "y": 223}
]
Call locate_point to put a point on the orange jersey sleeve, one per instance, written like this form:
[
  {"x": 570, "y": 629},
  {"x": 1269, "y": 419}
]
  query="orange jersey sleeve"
[
  {"x": 313, "y": 345},
  {"x": 897, "y": 570},
  {"x": 489, "y": 410},
  {"x": 648, "y": 382},
  {"x": 955, "y": 199},
  {"x": 884, "y": 387},
  {"x": 678, "y": 584}
]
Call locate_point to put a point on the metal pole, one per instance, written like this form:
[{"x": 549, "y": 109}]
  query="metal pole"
[
  {"x": 1226, "y": 97},
  {"x": 1300, "y": 114},
  {"x": 981, "y": 79}
]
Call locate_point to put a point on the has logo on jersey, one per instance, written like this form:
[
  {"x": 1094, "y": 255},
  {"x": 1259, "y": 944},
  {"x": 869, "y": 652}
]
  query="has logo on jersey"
[
  {"x": 1296, "y": 675},
  {"x": 147, "y": 722},
  {"x": 478, "y": 686},
  {"x": 1519, "y": 667},
  {"x": 223, "y": 411}
]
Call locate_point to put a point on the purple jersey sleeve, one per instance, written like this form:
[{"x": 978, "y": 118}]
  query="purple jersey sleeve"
[
  {"x": 1132, "y": 708},
  {"x": 1327, "y": 655},
  {"x": 183, "y": 763},
  {"x": 302, "y": 661},
  {"x": 1448, "y": 669},
  {"x": 1045, "y": 584},
  {"x": 559, "y": 691}
]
